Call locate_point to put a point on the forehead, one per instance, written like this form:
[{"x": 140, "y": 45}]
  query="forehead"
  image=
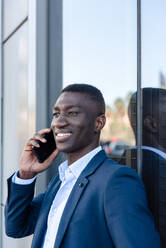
[{"x": 74, "y": 99}]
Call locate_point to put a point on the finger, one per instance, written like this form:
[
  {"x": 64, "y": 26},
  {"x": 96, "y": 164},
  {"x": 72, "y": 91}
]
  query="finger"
[
  {"x": 43, "y": 131},
  {"x": 27, "y": 149},
  {"x": 31, "y": 143},
  {"x": 39, "y": 138}
]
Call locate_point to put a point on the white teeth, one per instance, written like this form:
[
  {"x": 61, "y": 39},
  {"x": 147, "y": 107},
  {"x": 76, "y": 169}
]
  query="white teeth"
[{"x": 63, "y": 134}]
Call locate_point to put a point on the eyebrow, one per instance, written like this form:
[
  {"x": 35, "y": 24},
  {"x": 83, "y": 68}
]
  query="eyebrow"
[{"x": 68, "y": 107}]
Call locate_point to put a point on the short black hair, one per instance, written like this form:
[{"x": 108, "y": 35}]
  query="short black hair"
[
  {"x": 93, "y": 93},
  {"x": 152, "y": 100}
]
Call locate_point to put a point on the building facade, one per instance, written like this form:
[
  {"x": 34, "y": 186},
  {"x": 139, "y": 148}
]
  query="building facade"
[
  {"x": 118, "y": 46},
  {"x": 31, "y": 79}
]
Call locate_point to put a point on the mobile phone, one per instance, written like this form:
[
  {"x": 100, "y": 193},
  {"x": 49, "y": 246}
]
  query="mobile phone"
[{"x": 45, "y": 149}]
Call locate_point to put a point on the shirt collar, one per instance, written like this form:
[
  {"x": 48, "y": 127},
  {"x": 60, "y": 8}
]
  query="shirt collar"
[
  {"x": 78, "y": 166},
  {"x": 153, "y": 149},
  {"x": 62, "y": 168}
]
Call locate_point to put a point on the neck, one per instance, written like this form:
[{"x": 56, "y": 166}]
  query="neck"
[{"x": 74, "y": 156}]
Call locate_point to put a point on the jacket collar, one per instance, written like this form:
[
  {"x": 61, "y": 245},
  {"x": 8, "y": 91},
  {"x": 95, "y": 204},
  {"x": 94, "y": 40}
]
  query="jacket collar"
[{"x": 78, "y": 166}]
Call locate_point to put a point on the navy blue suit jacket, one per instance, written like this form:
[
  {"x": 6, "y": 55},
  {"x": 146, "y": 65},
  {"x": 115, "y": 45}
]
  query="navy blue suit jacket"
[{"x": 107, "y": 208}]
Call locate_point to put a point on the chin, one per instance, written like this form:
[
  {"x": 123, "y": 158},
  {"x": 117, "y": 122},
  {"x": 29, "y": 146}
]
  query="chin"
[{"x": 63, "y": 148}]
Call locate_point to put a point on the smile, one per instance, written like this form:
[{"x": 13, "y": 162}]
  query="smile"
[
  {"x": 63, "y": 134},
  {"x": 62, "y": 137}
]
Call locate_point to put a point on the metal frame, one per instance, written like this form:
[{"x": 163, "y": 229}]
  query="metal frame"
[
  {"x": 38, "y": 12},
  {"x": 139, "y": 91},
  {"x": 55, "y": 64},
  {"x": 15, "y": 30},
  {"x": 1, "y": 108},
  {"x": 45, "y": 61},
  {"x": 55, "y": 53}
]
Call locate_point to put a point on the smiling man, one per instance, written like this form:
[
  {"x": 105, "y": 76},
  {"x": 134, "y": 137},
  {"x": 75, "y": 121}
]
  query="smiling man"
[{"x": 92, "y": 201}]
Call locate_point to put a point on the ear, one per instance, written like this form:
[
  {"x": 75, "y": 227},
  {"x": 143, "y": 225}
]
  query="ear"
[
  {"x": 150, "y": 124},
  {"x": 100, "y": 122}
]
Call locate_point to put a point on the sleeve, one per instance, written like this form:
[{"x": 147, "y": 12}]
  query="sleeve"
[
  {"x": 21, "y": 209},
  {"x": 17, "y": 180},
  {"x": 129, "y": 220}
]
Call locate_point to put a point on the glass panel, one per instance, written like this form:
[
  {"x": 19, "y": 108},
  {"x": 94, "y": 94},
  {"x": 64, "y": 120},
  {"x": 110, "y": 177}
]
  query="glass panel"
[
  {"x": 154, "y": 109},
  {"x": 153, "y": 44},
  {"x": 14, "y": 13},
  {"x": 16, "y": 110},
  {"x": 100, "y": 49}
]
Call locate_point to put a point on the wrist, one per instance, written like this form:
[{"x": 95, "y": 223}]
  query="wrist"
[{"x": 26, "y": 175}]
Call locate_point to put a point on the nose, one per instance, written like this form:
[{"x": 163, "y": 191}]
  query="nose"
[{"x": 59, "y": 122}]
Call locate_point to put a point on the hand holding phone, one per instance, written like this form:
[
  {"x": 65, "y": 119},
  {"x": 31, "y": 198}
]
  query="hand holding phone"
[
  {"x": 37, "y": 155},
  {"x": 45, "y": 149}
]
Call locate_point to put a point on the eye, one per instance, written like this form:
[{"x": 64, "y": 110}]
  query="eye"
[
  {"x": 73, "y": 113},
  {"x": 56, "y": 114}
]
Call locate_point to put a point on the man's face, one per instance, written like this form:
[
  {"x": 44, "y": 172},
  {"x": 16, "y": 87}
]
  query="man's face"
[{"x": 74, "y": 122}]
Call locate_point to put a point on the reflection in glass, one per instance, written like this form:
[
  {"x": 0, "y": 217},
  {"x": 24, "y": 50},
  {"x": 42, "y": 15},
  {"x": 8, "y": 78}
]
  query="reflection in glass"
[
  {"x": 153, "y": 44},
  {"x": 154, "y": 108},
  {"x": 100, "y": 49},
  {"x": 15, "y": 12},
  {"x": 15, "y": 110},
  {"x": 153, "y": 164},
  {"x": 15, "y": 117}
]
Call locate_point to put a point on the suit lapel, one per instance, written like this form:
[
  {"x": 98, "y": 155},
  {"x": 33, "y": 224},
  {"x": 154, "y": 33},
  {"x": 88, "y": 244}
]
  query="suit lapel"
[
  {"x": 76, "y": 193},
  {"x": 45, "y": 208}
]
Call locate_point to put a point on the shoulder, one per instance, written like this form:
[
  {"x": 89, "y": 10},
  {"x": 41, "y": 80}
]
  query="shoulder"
[
  {"x": 113, "y": 169},
  {"x": 107, "y": 169},
  {"x": 111, "y": 175},
  {"x": 123, "y": 187},
  {"x": 123, "y": 183}
]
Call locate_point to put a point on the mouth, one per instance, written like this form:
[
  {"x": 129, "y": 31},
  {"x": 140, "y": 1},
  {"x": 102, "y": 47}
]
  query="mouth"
[{"x": 60, "y": 136}]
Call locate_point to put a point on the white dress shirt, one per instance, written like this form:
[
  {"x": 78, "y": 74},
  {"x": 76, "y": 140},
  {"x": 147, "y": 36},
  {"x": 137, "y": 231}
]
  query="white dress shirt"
[{"x": 68, "y": 175}]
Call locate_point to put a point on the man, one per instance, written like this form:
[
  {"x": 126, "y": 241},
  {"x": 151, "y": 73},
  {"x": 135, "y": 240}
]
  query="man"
[
  {"x": 153, "y": 118},
  {"x": 153, "y": 151},
  {"x": 92, "y": 202}
]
